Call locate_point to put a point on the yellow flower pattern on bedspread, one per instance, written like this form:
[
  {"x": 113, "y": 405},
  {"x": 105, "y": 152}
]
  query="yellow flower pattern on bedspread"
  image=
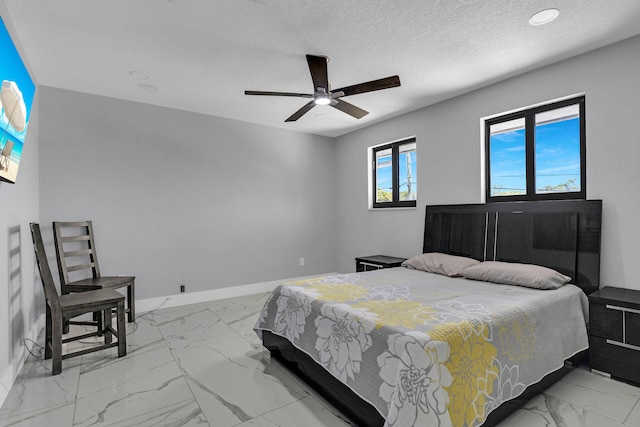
[
  {"x": 408, "y": 314},
  {"x": 471, "y": 364},
  {"x": 442, "y": 353},
  {"x": 339, "y": 292},
  {"x": 332, "y": 288},
  {"x": 518, "y": 340}
]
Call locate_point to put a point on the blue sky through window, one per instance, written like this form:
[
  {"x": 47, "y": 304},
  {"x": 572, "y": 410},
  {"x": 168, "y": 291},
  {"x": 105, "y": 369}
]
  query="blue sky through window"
[
  {"x": 557, "y": 155},
  {"x": 407, "y": 168},
  {"x": 383, "y": 173},
  {"x": 407, "y": 173},
  {"x": 508, "y": 163},
  {"x": 557, "y": 158}
]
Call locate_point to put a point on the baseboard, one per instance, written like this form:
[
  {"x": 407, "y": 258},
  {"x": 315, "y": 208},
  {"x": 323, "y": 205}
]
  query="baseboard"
[
  {"x": 15, "y": 366},
  {"x": 177, "y": 300}
]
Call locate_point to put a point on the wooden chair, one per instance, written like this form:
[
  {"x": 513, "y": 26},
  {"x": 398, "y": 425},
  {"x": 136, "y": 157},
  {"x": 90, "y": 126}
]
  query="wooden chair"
[
  {"x": 63, "y": 307},
  {"x": 76, "y": 252}
]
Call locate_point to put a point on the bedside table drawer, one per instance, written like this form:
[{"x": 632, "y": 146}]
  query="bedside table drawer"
[
  {"x": 613, "y": 359},
  {"x": 616, "y": 323},
  {"x": 614, "y": 332},
  {"x": 632, "y": 327},
  {"x": 376, "y": 262},
  {"x": 605, "y": 322},
  {"x": 365, "y": 266}
]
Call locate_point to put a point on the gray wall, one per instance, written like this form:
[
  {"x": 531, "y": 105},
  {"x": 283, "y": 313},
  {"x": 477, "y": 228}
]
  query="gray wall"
[
  {"x": 178, "y": 197},
  {"x": 21, "y": 302},
  {"x": 449, "y": 157}
]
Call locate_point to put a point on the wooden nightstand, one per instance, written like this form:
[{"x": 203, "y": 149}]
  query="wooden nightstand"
[
  {"x": 614, "y": 332},
  {"x": 376, "y": 262}
]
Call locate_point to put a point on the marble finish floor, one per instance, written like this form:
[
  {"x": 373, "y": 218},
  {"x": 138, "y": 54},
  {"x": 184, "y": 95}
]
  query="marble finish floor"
[{"x": 202, "y": 365}]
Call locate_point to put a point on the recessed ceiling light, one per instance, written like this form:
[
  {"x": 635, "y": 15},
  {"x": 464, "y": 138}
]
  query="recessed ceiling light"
[
  {"x": 140, "y": 75},
  {"x": 148, "y": 88},
  {"x": 544, "y": 17}
]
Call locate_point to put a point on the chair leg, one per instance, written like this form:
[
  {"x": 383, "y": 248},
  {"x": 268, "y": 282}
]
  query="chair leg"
[
  {"x": 98, "y": 317},
  {"x": 122, "y": 331},
  {"x": 56, "y": 344},
  {"x": 47, "y": 334},
  {"x": 131, "y": 301},
  {"x": 107, "y": 325},
  {"x": 65, "y": 322}
]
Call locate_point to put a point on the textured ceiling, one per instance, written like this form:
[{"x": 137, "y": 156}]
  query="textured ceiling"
[{"x": 200, "y": 55}]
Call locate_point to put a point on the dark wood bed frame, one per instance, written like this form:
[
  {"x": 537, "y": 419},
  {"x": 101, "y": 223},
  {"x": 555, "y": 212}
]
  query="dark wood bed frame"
[{"x": 560, "y": 234}]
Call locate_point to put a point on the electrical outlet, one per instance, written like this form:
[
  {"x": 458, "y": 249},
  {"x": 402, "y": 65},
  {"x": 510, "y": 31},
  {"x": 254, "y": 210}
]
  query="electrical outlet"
[
  {"x": 182, "y": 288},
  {"x": 301, "y": 261}
]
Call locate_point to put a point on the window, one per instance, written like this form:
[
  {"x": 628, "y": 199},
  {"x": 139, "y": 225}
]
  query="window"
[
  {"x": 394, "y": 174},
  {"x": 538, "y": 153}
]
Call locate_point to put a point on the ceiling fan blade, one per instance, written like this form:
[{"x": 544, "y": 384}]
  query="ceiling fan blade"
[
  {"x": 386, "y": 83},
  {"x": 301, "y": 112},
  {"x": 297, "y": 95},
  {"x": 350, "y": 109},
  {"x": 318, "y": 69}
]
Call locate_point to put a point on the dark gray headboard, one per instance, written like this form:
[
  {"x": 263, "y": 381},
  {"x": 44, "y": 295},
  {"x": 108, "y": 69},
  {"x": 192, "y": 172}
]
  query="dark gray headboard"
[{"x": 559, "y": 234}]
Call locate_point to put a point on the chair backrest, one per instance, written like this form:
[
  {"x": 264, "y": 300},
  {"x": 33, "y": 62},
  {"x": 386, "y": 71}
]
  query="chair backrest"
[
  {"x": 8, "y": 147},
  {"x": 75, "y": 251},
  {"x": 50, "y": 292}
]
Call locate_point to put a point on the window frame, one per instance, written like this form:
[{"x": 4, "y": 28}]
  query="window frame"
[
  {"x": 529, "y": 115},
  {"x": 395, "y": 168}
]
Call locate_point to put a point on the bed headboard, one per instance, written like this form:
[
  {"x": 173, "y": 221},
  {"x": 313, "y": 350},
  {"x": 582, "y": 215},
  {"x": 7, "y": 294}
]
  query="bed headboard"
[{"x": 559, "y": 234}]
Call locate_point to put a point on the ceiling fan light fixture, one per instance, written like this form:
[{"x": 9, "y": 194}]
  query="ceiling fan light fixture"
[
  {"x": 323, "y": 95},
  {"x": 544, "y": 17},
  {"x": 322, "y": 100}
]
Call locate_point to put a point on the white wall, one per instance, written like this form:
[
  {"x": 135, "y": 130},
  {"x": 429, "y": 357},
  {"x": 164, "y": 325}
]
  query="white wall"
[
  {"x": 449, "y": 158},
  {"x": 177, "y": 197}
]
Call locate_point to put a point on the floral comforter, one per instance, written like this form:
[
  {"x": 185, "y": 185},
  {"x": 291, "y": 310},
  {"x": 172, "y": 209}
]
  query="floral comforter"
[{"x": 425, "y": 349}]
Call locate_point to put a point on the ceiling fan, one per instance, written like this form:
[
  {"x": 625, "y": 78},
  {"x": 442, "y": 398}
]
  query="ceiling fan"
[{"x": 322, "y": 95}]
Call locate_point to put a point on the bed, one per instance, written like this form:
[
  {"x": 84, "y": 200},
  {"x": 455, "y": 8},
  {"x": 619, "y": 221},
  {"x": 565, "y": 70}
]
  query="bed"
[{"x": 409, "y": 347}]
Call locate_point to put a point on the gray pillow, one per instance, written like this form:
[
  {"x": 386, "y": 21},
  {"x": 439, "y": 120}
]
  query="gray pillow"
[
  {"x": 511, "y": 273},
  {"x": 436, "y": 262}
]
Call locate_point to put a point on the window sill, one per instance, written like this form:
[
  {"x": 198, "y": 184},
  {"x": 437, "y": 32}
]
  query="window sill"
[{"x": 400, "y": 208}]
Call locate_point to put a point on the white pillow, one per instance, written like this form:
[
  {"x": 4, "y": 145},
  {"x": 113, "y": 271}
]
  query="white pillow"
[
  {"x": 436, "y": 262},
  {"x": 511, "y": 273}
]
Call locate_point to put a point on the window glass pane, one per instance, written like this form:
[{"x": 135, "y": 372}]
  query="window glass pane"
[
  {"x": 407, "y": 171},
  {"x": 557, "y": 151},
  {"x": 508, "y": 158},
  {"x": 383, "y": 176}
]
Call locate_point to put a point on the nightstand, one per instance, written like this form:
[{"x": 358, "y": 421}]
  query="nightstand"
[
  {"x": 376, "y": 262},
  {"x": 614, "y": 332}
]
